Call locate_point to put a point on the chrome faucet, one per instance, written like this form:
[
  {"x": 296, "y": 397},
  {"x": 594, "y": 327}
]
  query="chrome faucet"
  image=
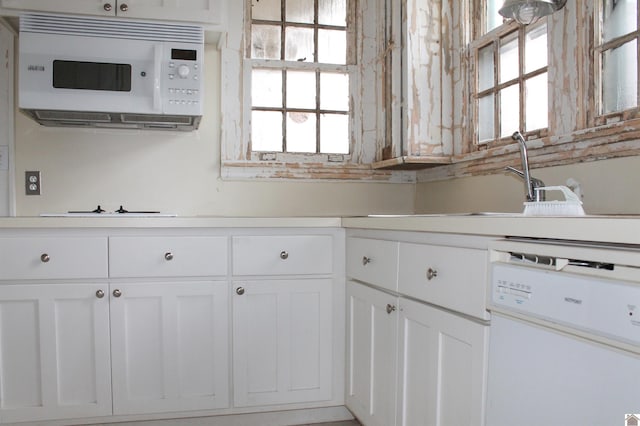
[{"x": 530, "y": 183}]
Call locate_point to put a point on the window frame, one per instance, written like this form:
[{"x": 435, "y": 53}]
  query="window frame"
[
  {"x": 494, "y": 37},
  {"x": 597, "y": 116},
  {"x": 349, "y": 68}
]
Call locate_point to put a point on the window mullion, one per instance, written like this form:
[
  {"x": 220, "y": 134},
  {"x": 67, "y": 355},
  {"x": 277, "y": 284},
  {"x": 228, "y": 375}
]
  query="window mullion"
[{"x": 496, "y": 94}]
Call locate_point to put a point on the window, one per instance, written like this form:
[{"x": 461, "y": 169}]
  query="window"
[
  {"x": 509, "y": 90},
  {"x": 616, "y": 58},
  {"x": 301, "y": 54}
]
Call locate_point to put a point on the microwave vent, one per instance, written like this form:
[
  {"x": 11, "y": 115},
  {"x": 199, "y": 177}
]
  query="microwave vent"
[
  {"x": 79, "y": 116},
  {"x": 110, "y": 28},
  {"x": 157, "y": 119}
]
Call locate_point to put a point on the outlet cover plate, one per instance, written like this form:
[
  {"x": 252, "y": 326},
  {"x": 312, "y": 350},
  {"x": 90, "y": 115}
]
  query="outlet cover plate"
[{"x": 32, "y": 183}]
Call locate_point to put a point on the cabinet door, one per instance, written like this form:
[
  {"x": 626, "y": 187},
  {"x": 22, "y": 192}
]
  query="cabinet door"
[
  {"x": 54, "y": 352},
  {"x": 442, "y": 367},
  {"x": 205, "y": 11},
  {"x": 91, "y": 7},
  {"x": 170, "y": 346},
  {"x": 282, "y": 341},
  {"x": 371, "y": 354}
]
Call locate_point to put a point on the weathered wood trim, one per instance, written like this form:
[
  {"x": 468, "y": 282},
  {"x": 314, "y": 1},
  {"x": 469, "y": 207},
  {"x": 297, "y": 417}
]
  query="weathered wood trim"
[{"x": 244, "y": 170}]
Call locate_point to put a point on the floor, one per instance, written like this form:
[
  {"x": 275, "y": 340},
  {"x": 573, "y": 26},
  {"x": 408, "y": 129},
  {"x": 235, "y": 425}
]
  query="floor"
[{"x": 202, "y": 421}]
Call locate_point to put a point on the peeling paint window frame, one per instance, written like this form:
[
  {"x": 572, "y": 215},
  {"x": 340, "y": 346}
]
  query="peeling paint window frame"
[
  {"x": 598, "y": 116},
  {"x": 481, "y": 40},
  {"x": 349, "y": 68}
]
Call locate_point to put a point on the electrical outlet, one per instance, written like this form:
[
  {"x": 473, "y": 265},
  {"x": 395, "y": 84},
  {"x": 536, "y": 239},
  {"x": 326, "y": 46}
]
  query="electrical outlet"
[{"x": 32, "y": 183}]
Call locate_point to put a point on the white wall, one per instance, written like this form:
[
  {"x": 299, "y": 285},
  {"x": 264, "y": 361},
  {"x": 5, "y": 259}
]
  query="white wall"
[
  {"x": 175, "y": 172},
  {"x": 609, "y": 187}
]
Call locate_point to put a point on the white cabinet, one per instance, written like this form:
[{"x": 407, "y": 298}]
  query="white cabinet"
[
  {"x": 285, "y": 313},
  {"x": 54, "y": 352},
  {"x": 415, "y": 356},
  {"x": 282, "y": 341},
  {"x": 372, "y": 322},
  {"x": 441, "y": 369},
  {"x": 169, "y": 337},
  {"x": 54, "y": 335},
  {"x": 203, "y": 11},
  {"x": 169, "y": 342}
]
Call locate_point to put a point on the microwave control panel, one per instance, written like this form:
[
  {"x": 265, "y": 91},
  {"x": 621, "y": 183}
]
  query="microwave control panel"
[{"x": 182, "y": 83}]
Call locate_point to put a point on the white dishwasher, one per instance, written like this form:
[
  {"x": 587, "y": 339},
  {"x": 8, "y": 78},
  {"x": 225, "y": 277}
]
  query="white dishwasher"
[{"x": 565, "y": 333}]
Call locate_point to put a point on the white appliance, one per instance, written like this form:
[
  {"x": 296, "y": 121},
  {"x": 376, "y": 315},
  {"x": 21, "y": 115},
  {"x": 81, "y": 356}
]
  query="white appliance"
[
  {"x": 565, "y": 334},
  {"x": 107, "y": 72}
]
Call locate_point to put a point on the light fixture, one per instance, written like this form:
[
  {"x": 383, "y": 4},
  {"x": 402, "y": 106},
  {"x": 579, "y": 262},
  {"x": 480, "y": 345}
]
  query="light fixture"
[{"x": 529, "y": 11}]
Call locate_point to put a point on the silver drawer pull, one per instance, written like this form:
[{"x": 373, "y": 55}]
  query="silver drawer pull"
[
  {"x": 107, "y": 7},
  {"x": 431, "y": 273},
  {"x": 45, "y": 258},
  {"x": 124, "y": 7},
  {"x": 366, "y": 260},
  {"x": 100, "y": 294},
  {"x": 168, "y": 256},
  {"x": 284, "y": 255},
  {"x": 117, "y": 293},
  {"x": 390, "y": 308},
  {"x": 240, "y": 291}
]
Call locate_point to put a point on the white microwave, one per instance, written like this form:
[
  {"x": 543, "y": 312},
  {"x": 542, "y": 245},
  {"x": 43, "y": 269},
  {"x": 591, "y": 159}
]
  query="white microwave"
[{"x": 106, "y": 72}]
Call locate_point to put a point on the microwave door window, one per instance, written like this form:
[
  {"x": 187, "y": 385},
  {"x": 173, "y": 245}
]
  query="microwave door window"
[{"x": 91, "y": 76}]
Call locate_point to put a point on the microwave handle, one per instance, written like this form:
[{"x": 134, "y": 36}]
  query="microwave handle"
[{"x": 157, "y": 77}]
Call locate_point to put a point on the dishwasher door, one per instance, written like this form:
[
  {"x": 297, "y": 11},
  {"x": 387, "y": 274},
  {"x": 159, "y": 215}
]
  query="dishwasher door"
[
  {"x": 564, "y": 344},
  {"x": 538, "y": 376}
]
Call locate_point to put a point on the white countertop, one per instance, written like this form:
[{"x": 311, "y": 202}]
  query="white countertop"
[
  {"x": 167, "y": 222},
  {"x": 613, "y": 229}
]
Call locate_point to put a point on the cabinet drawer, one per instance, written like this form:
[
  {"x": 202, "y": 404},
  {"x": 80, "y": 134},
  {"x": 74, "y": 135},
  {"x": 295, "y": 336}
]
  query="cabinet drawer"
[
  {"x": 452, "y": 277},
  {"x": 167, "y": 256},
  {"x": 283, "y": 255},
  {"x": 373, "y": 261},
  {"x": 53, "y": 257}
]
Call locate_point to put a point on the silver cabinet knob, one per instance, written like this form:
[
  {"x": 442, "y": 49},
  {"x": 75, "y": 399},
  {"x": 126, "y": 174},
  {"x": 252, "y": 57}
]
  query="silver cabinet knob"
[
  {"x": 390, "y": 308},
  {"x": 168, "y": 256},
  {"x": 240, "y": 291},
  {"x": 366, "y": 260},
  {"x": 124, "y": 7},
  {"x": 284, "y": 255},
  {"x": 100, "y": 294},
  {"x": 431, "y": 273},
  {"x": 44, "y": 258},
  {"x": 107, "y": 7},
  {"x": 117, "y": 293}
]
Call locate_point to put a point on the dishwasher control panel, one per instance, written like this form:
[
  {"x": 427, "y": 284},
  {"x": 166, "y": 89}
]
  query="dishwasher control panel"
[{"x": 591, "y": 304}]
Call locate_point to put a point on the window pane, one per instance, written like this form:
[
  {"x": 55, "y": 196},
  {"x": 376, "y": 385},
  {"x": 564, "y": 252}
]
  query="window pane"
[
  {"x": 493, "y": 18},
  {"x": 535, "y": 49},
  {"x": 334, "y": 91},
  {"x": 266, "y": 9},
  {"x": 619, "y": 18},
  {"x": 509, "y": 110},
  {"x": 265, "y": 42},
  {"x": 332, "y": 46},
  {"x": 300, "y": 11},
  {"x": 332, "y": 12},
  {"x": 334, "y": 133},
  {"x": 301, "y": 132},
  {"x": 485, "y": 68},
  {"x": 301, "y": 89},
  {"x": 266, "y": 88},
  {"x": 266, "y": 131},
  {"x": 509, "y": 68},
  {"x": 619, "y": 78},
  {"x": 537, "y": 101},
  {"x": 299, "y": 44},
  {"x": 486, "y": 118}
]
